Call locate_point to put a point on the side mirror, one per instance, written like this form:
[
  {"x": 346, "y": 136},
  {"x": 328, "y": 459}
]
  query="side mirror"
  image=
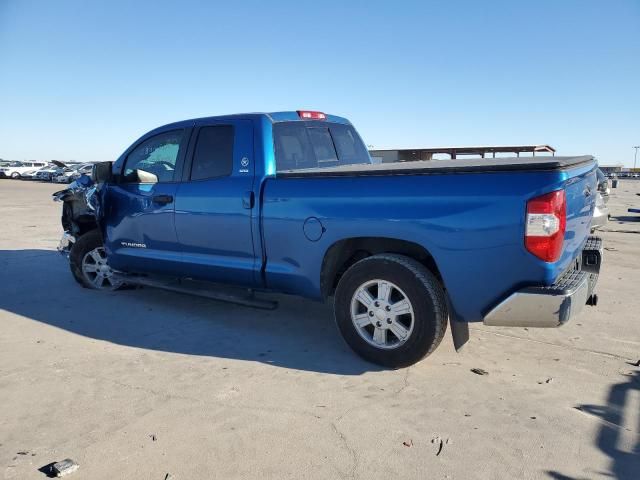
[{"x": 101, "y": 172}]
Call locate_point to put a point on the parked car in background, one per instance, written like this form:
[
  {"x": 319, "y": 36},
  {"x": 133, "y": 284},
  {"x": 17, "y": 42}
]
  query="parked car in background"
[
  {"x": 30, "y": 175},
  {"x": 17, "y": 169},
  {"x": 291, "y": 202},
  {"x": 73, "y": 173},
  {"x": 47, "y": 174}
]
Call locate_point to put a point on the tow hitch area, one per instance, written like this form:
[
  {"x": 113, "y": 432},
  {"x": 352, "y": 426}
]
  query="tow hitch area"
[
  {"x": 553, "y": 305},
  {"x": 591, "y": 261},
  {"x": 592, "y": 255}
]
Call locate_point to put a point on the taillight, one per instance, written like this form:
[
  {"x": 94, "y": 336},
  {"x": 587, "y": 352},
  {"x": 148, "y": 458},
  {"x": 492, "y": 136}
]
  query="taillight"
[
  {"x": 545, "y": 225},
  {"x": 307, "y": 115}
]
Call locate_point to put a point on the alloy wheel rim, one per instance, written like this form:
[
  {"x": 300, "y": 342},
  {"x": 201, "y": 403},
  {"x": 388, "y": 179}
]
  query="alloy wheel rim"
[
  {"x": 96, "y": 270},
  {"x": 382, "y": 314}
]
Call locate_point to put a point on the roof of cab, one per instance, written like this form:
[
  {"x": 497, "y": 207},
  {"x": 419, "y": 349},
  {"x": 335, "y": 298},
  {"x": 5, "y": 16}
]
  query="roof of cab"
[{"x": 274, "y": 117}]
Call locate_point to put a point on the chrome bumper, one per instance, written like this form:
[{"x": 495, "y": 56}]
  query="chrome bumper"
[
  {"x": 66, "y": 242},
  {"x": 553, "y": 305},
  {"x": 600, "y": 216}
]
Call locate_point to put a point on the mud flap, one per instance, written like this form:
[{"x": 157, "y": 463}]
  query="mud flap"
[{"x": 459, "y": 333}]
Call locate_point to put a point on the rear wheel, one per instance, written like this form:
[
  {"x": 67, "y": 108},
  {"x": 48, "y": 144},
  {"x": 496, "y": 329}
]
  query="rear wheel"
[
  {"x": 391, "y": 310},
  {"x": 88, "y": 263}
]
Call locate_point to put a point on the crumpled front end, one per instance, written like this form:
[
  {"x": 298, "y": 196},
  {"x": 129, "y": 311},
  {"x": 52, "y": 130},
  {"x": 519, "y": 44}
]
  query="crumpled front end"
[
  {"x": 65, "y": 244},
  {"x": 78, "y": 212}
]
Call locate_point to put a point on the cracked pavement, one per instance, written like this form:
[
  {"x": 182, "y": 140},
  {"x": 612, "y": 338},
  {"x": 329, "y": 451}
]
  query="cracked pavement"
[{"x": 231, "y": 392}]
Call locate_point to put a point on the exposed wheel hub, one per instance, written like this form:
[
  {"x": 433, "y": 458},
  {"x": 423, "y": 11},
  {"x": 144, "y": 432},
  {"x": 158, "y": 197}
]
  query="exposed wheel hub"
[{"x": 96, "y": 270}]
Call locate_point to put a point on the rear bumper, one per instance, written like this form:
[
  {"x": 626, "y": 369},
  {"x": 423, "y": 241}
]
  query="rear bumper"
[
  {"x": 553, "y": 305},
  {"x": 600, "y": 216}
]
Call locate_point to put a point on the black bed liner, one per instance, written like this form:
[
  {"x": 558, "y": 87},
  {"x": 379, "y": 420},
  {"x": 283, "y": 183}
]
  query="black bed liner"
[{"x": 459, "y": 165}]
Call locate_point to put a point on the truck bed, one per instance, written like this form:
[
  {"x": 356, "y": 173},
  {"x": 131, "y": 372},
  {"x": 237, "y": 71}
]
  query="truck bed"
[
  {"x": 461, "y": 165},
  {"x": 472, "y": 226}
]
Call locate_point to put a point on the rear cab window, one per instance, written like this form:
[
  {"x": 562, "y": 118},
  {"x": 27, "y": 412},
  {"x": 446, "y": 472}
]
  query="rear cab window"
[{"x": 302, "y": 145}]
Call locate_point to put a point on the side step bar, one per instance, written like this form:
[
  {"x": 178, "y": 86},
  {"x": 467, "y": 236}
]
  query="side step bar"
[{"x": 238, "y": 296}]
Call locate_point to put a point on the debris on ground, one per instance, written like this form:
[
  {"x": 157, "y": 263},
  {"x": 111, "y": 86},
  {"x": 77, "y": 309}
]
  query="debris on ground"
[
  {"x": 153, "y": 437},
  {"x": 440, "y": 443},
  {"x": 479, "y": 371},
  {"x": 65, "y": 467},
  {"x": 548, "y": 380},
  {"x": 408, "y": 444}
]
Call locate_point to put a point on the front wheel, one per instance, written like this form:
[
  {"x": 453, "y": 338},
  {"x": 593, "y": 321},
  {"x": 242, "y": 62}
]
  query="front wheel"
[
  {"x": 391, "y": 310},
  {"x": 15, "y": 175},
  {"x": 88, "y": 263}
]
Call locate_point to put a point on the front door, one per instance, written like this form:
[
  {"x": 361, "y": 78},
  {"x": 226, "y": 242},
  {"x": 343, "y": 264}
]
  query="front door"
[
  {"x": 215, "y": 204},
  {"x": 140, "y": 234}
]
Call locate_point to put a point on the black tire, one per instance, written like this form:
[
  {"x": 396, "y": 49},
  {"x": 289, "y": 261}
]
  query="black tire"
[
  {"x": 422, "y": 289},
  {"x": 15, "y": 175},
  {"x": 86, "y": 243}
]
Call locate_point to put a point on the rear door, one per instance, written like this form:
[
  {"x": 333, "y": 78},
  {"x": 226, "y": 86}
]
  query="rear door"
[
  {"x": 140, "y": 234},
  {"x": 215, "y": 203}
]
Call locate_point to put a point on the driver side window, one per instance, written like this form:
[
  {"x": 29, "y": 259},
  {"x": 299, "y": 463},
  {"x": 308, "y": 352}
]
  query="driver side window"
[{"x": 154, "y": 160}]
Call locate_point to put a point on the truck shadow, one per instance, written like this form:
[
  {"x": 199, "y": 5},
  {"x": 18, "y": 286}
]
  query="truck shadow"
[
  {"x": 300, "y": 334},
  {"x": 618, "y": 440}
]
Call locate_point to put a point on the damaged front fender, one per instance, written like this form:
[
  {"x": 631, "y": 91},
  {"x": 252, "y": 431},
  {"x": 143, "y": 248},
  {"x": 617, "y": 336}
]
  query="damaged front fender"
[{"x": 78, "y": 211}]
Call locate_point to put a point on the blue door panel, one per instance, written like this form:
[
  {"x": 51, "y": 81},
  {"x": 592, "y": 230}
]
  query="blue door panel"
[
  {"x": 140, "y": 233},
  {"x": 213, "y": 217}
]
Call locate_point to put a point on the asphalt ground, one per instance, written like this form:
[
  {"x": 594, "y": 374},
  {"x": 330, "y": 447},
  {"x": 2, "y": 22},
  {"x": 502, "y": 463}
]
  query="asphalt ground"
[{"x": 139, "y": 384}]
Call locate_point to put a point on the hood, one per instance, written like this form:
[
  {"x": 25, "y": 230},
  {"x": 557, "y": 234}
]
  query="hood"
[{"x": 58, "y": 163}]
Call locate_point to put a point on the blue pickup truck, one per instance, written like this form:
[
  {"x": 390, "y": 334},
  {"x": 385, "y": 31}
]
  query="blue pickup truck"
[{"x": 291, "y": 202}]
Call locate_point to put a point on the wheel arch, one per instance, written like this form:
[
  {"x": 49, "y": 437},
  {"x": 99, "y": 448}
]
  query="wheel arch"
[{"x": 346, "y": 252}]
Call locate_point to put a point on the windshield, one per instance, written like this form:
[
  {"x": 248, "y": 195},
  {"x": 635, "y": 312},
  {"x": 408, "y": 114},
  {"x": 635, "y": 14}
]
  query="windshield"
[{"x": 303, "y": 145}]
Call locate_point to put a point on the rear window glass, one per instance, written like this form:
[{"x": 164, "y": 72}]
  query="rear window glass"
[
  {"x": 304, "y": 145},
  {"x": 323, "y": 146}
]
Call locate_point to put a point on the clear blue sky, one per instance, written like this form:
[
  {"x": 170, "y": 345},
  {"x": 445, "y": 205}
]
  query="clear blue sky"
[{"x": 81, "y": 80}]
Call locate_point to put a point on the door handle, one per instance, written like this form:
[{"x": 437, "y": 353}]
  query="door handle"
[
  {"x": 248, "y": 199},
  {"x": 162, "y": 199}
]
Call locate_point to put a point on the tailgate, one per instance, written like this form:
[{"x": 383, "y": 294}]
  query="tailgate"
[{"x": 581, "y": 192}]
